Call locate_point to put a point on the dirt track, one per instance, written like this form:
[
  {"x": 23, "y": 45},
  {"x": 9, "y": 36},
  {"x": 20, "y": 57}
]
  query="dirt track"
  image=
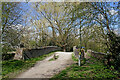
[{"x": 46, "y": 68}]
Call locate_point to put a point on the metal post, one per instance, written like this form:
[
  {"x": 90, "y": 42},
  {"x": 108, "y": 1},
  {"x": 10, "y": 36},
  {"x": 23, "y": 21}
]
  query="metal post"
[
  {"x": 80, "y": 35},
  {"x": 80, "y": 44},
  {"x": 79, "y": 61}
]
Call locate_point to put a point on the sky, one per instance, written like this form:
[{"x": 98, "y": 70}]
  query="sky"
[
  {"x": 30, "y": 11},
  {"x": 59, "y": 0}
]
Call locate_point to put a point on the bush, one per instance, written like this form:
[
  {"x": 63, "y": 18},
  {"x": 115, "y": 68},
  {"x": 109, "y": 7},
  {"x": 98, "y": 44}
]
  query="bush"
[{"x": 114, "y": 45}]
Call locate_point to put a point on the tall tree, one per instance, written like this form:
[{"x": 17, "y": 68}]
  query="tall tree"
[
  {"x": 12, "y": 29},
  {"x": 59, "y": 21}
]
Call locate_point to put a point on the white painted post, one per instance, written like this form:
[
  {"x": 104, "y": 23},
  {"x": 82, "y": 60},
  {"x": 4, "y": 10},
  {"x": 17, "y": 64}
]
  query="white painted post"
[{"x": 79, "y": 61}]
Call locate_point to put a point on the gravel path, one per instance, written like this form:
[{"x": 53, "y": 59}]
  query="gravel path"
[{"x": 46, "y": 68}]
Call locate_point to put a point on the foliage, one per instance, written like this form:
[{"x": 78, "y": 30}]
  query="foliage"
[
  {"x": 100, "y": 31},
  {"x": 55, "y": 17},
  {"x": 14, "y": 27},
  {"x": 114, "y": 46},
  {"x": 74, "y": 58},
  {"x": 92, "y": 38},
  {"x": 59, "y": 24}
]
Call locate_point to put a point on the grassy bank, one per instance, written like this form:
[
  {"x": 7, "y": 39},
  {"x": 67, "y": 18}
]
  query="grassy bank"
[
  {"x": 91, "y": 69},
  {"x": 13, "y": 67}
]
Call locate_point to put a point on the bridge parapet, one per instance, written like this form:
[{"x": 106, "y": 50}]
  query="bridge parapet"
[
  {"x": 98, "y": 55},
  {"x": 23, "y": 53}
]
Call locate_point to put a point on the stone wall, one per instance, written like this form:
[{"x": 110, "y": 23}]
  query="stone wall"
[
  {"x": 32, "y": 53},
  {"x": 18, "y": 54},
  {"x": 97, "y": 55}
]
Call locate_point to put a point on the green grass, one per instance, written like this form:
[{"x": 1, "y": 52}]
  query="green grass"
[
  {"x": 74, "y": 58},
  {"x": 88, "y": 54},
  {"x": 13, "y": 67},
  {"x": 90, "y": 69},
  {"x": 52, "y": 59}
]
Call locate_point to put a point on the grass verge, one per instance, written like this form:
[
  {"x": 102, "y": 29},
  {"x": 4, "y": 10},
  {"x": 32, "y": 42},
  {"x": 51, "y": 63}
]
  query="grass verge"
[
  {"x": 13, "y": 67},
  {"x": 92, "y": 69}
]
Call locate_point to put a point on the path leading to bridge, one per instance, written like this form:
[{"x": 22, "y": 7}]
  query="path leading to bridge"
[{"x": 46, "y": 68}]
